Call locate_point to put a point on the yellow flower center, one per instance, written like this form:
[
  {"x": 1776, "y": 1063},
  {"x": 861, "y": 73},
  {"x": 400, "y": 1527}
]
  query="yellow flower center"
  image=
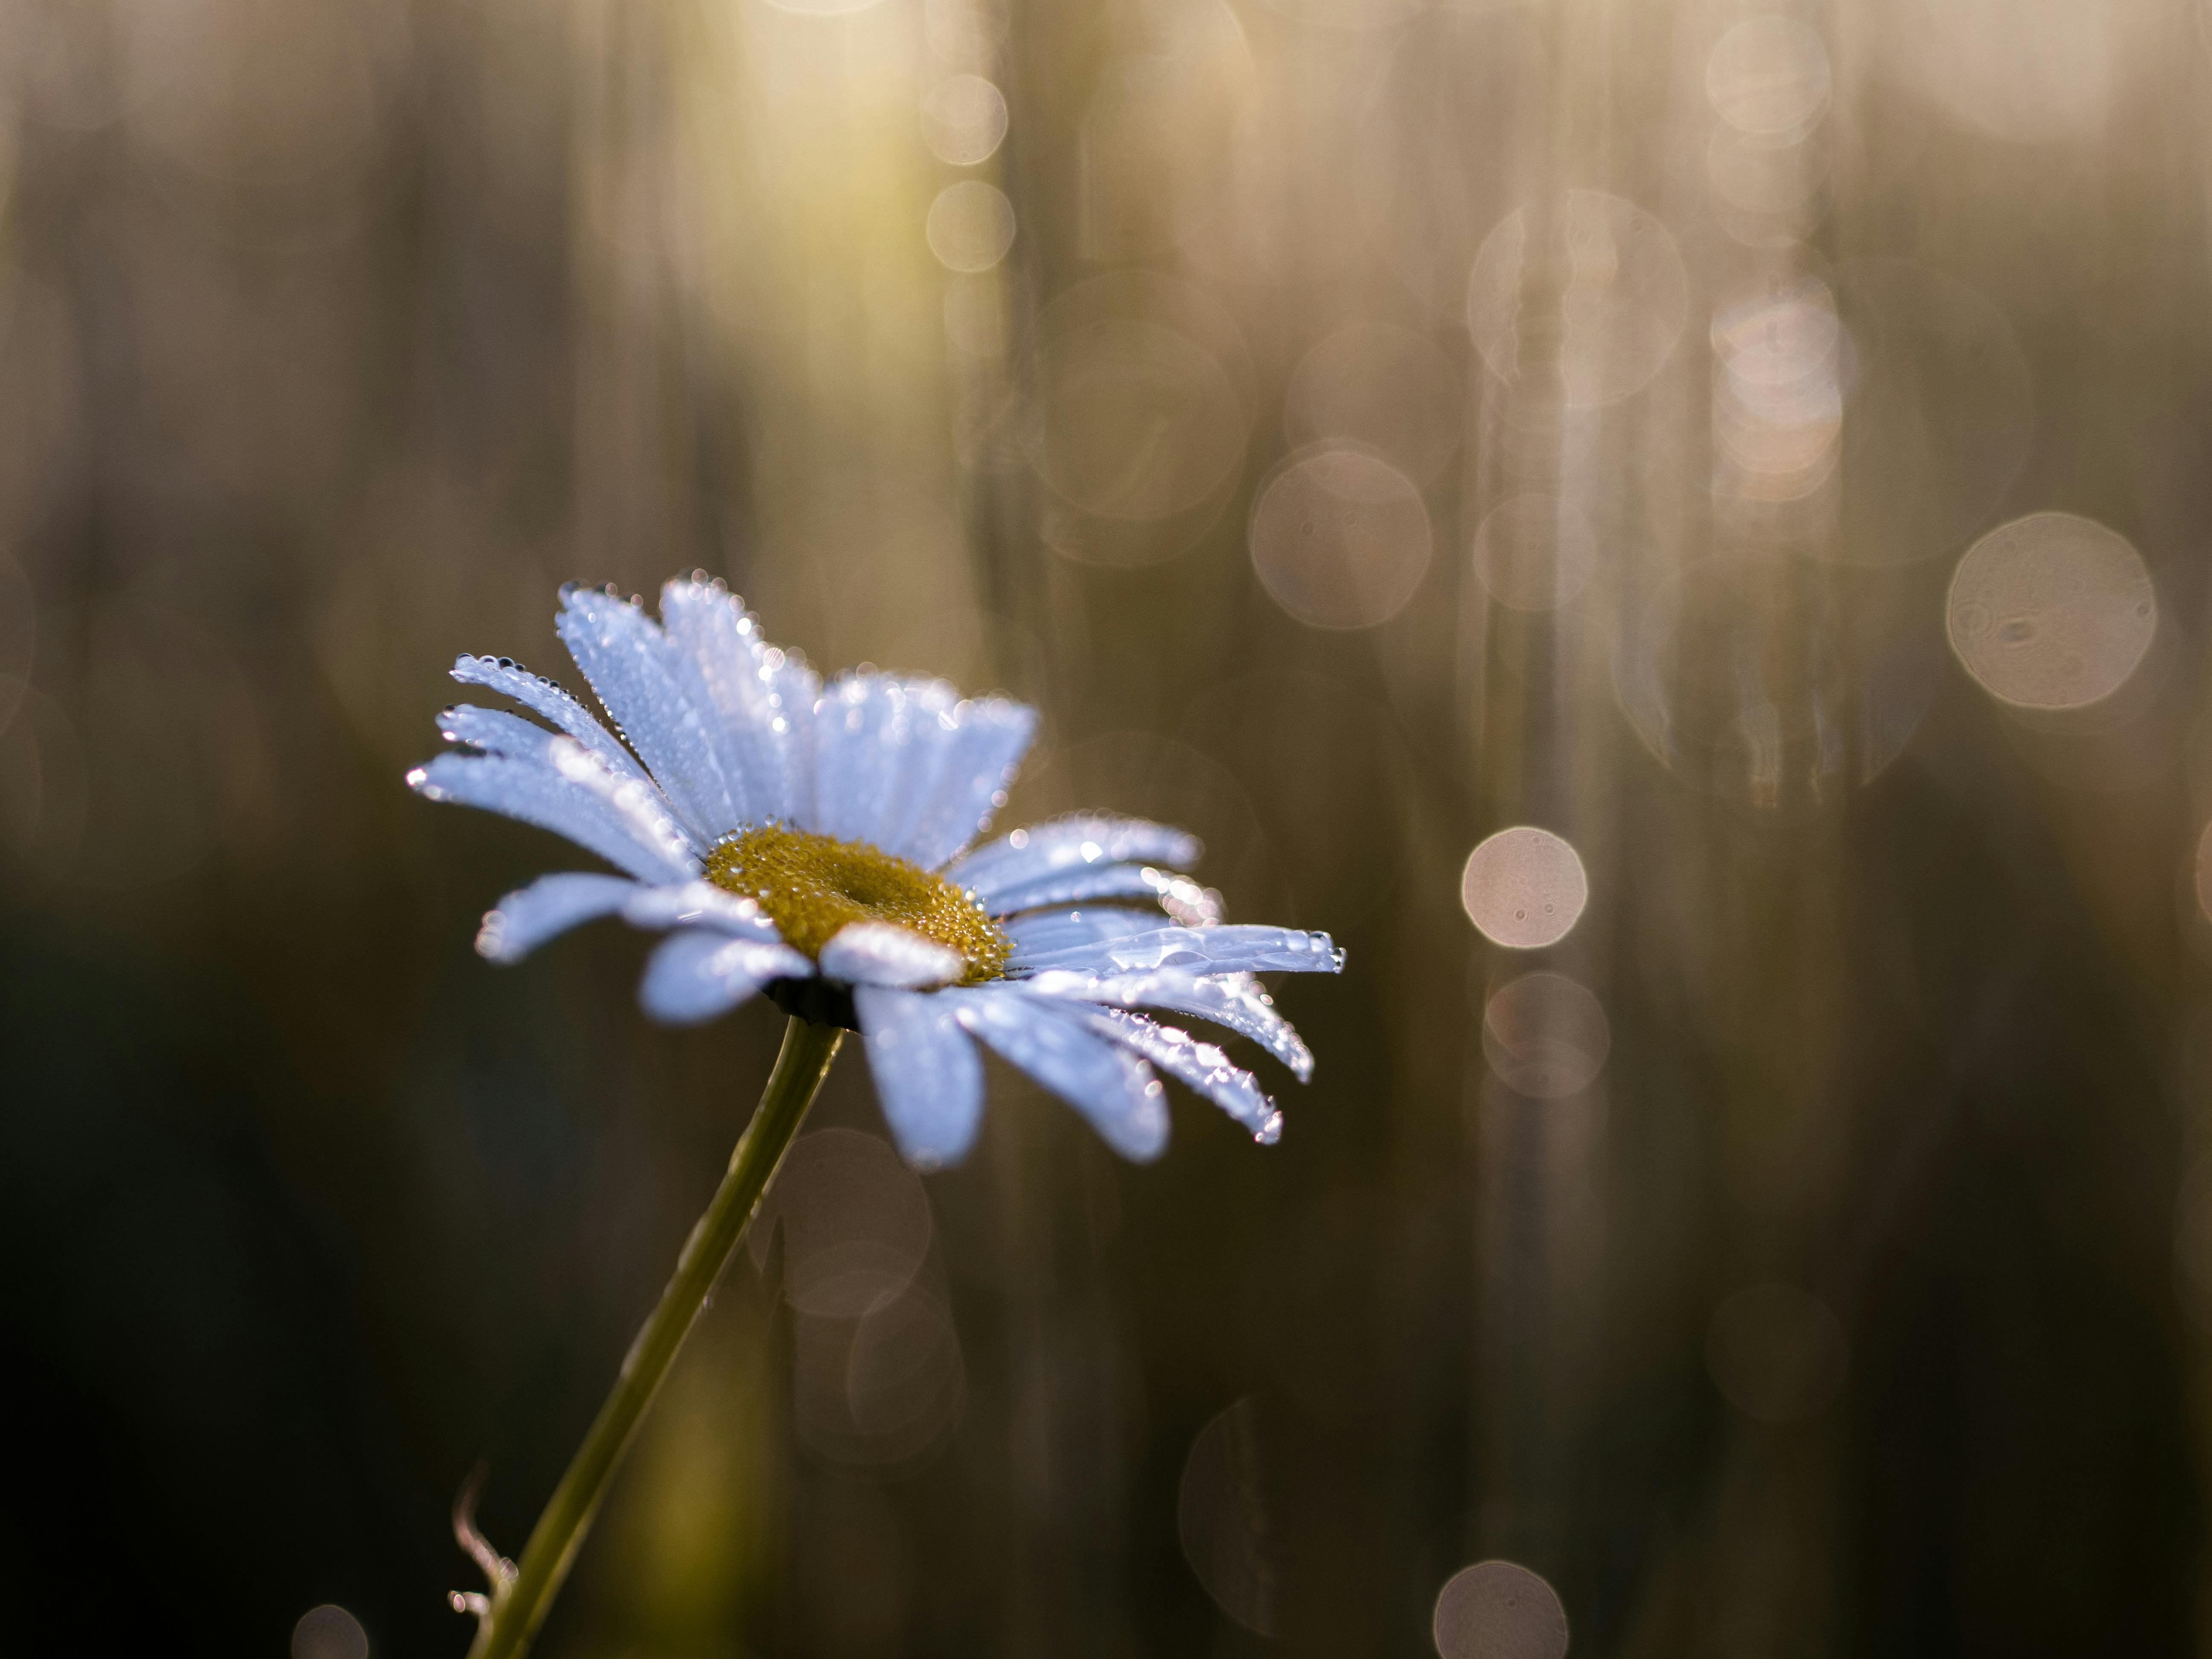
[{"x": 811, "y": 886}]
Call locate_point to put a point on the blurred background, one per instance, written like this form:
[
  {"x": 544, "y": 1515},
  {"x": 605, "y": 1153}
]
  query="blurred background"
[{"x": 1675, "y": 529}]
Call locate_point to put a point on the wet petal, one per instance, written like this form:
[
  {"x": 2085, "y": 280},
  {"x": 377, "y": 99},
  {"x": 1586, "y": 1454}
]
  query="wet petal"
[
  {"x": 1198, "y": 951},
  {"x": 1231, "y": 1001},
  {"x": 572, "y": 792},
  {"x": 882, "y": 953},
  {"x": 496, "y": 732},
  {"x": 1199, "y": 1066},
  {"x": 700, "y": 903},
  {"x": 1046, "y": 931},
  {"x": 697, "y": 973},
  {"x": 640, "y": 676},
  {"x": 761, "y": 698},
  {"x": 927, "y": 1073},
  {"x": 1082, "y": 886},
  {"x": 1112, "y": 1087},
  {"x": 526, "y": 918},
  {"x": 493, "y": 731},
  {"x": 543, "y": 696},
  {"x": 1029, "y": 856},
  {"x": 973, "y": 762},
  {"x": 876, "y": 739}
]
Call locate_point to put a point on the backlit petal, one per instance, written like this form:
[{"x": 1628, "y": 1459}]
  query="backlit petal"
[
  {"x": 573, "y": 793},
  {"x": 543, "y": 696},
  {"x": 701, "y": 904},
  {"x": 641, "y": 677},
  {"x": 1231, "y": 1001},
  {"x": 526, "y": 918},
  {"x": 928, "y": 1072},
  {"x": 1199, "y": 1066},
  {"x": 1112, "y": 1087},
  {"x": 697, "y": 973},
  {"x": 1029, "y": 856},
  {"x": 876, "y": 740},
  {"x": 974, "y": 759},
  {"x": 761, "y": 699},
  {"x": 1198, "y": 951}
]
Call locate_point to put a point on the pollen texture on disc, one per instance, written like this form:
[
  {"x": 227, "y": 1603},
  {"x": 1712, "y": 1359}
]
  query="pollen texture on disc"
[{"x": 811, "y": 886}]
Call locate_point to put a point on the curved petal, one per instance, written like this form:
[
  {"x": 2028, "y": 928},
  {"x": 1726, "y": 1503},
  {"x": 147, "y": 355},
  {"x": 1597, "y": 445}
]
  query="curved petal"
[
  {"x": 1199, "y": 950},
  {"x": 572, "y": 792},
  {"x": 1087, "y": 886},
  {"x": 1112, "y": 1087},
  {"x": 927, "y": 1073},
  {"x": 543, "y": 696},
  {"x": 696, "y": 975},
  {"x": 640, "y": 676},
  {"x": 883, "y": 953},
  {"x": 493, "y": 731},
  {"x": 528, "y": 917},
  {"x": 496, "y": 732},
  {"x": 761, "y": 698},
  {"x": 974, "y": 763},
  {"x": 1029, "y": 856},
  {"x": 1045, "y": 931},
  {"x": 700, "y": 903},
  {"x": 1199, "y": 1066},
  {"x": 1231, "y": 1001}
]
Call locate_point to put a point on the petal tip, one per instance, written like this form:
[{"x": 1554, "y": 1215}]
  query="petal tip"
[{"x": 491, "y": 941}]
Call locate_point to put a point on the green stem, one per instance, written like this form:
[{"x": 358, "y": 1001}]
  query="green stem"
[{"x": 519, "y": 1606}]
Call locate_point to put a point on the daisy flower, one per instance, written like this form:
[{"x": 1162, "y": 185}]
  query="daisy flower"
[{"x": 814, "y": 843}]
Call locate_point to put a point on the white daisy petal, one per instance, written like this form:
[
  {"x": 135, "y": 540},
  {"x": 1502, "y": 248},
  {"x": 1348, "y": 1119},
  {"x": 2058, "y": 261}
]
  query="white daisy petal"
[
  {"x": 714, "y": 731},
  {"x": 1198, "y": 951},
  {"x": 571, "y": 793},
  {"x": 876, "y": 738},
  {"x": 1029, "y": 856},
  {"x": 543, "y": 696},
  {"x": 1199, "y": 1066},
  {"x": 526, "y": 918},
  {"x": 702, "y": 904},
  {"x": 1044, "y": 931},
  {"x": 761, "y": 698},
  {"x": 931, "y": 735},
  {"x": 1231, "y": 1001},
  {"x": 975, "y": 763},
  {"x": 1105, "y": 881},
  {"x": 1111, "y": 1087},
  {"x": 883, "y": 953},
  {"x": 696, "y": 974},
  {"x": 493, "y": 732},
  {"x": 640, "y": 676},
  {"x": 927, "y": 1073}
]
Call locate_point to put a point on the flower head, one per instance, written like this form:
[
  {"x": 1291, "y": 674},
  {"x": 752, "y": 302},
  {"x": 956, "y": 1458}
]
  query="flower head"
[{"x": 807, "y": 842}]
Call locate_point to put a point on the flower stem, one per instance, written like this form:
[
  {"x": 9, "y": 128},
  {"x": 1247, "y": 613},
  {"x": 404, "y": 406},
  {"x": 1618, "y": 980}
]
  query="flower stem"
[{"x": 520, "y": 1604}]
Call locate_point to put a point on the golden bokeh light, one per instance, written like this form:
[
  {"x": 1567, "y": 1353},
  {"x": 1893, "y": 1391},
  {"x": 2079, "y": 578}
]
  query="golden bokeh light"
[
  {"x": 1524, "y": 888},
  {"x": 1499, "y": 1607},
  {"x": 1545, "y": 1036},
  {"x": 2051, "y": 611},
  {"x": 1340, "y": 538}
]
